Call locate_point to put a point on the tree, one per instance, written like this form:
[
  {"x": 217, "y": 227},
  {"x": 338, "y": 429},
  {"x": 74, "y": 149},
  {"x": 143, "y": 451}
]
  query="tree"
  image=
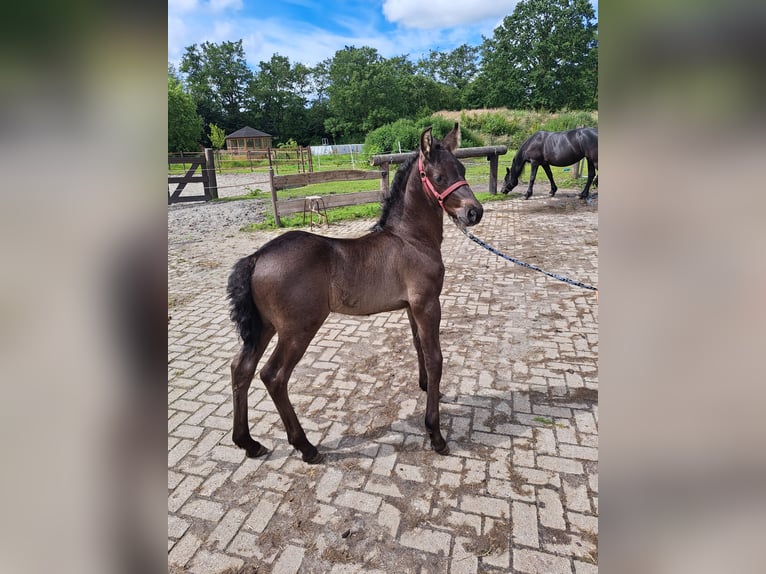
[
  {"x": 217, "y": 136},
  {"x": 456, "y": 68},
  {"x": 279, "y": 95},
  {"x": 184, "y": 124},
  {"x": 218, "y": 78},
  {"x": 367, "y": 91},
  {"x": 543, "y": 56}
]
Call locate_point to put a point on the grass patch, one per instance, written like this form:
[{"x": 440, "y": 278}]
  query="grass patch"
[
  {"x": 346, "y": 213},
  {"x": 254, "y": 194},
  {"x": 330, "y": 188},
  {"x": 545, "y": 421}
]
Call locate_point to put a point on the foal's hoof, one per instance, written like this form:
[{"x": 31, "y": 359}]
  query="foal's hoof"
[
  {"x": 316, "y": 458},
  {"x": 443, "y": 450},
  {"x": 256, "y": 450}
]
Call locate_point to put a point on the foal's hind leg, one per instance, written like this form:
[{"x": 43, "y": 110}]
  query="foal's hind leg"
[
  {"x": 275, "y": 376},
  {"x": 549, "y": 173},
  {"x": 242, "y": 370}
]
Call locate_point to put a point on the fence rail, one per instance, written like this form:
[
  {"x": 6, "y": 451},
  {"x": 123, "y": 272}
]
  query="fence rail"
[{"x": 384, "y": 161}]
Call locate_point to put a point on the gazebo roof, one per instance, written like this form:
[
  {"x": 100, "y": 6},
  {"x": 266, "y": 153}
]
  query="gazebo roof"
[{"x": 248, "y": 132}]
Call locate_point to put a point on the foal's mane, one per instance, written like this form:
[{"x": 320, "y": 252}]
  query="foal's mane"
[{"x": 396, "y": 193}]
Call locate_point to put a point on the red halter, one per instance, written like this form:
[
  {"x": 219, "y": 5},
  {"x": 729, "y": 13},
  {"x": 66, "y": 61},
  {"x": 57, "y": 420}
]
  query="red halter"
[{"x": 430, "y": 186}]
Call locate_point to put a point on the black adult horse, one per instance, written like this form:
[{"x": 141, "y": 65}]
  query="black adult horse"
[
  {"x": 554, "y": 148},
  {"x": 291, "y": 284}
]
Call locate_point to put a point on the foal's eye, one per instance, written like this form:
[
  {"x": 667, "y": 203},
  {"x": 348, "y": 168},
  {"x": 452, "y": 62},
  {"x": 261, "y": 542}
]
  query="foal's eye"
[{"x": 439, "y": 179}]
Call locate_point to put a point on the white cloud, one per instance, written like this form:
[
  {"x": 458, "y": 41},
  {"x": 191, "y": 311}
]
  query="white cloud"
[
  {"x": 304, "y": 42},
  {"x": 444, "y": 13},
  {"x": 221, "y": 5},
  {"x": 182, "y": 6}
]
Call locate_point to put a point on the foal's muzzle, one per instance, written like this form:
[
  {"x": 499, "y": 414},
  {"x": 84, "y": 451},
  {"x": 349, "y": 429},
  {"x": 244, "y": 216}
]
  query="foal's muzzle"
[{"x": 474, "y": 215}]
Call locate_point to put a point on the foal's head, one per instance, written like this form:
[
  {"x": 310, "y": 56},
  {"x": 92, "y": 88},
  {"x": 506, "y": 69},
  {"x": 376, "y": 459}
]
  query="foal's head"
[{"x": 443, "y": 177}]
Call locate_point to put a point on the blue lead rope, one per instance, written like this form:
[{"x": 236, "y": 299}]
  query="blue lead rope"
[{"x": 472, "y": 237}]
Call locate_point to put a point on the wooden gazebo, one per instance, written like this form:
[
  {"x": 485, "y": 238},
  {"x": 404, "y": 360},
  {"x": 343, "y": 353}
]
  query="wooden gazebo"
[{"x": 247, "y": 139}]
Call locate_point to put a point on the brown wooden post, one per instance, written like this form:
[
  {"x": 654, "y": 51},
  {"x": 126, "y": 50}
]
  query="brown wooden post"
[
  {"x": 384, "y": 178},
  {"x": 277, "y": 221},
  {"x": 492, "y": 173},
  {"x": 212, "y": 184}
]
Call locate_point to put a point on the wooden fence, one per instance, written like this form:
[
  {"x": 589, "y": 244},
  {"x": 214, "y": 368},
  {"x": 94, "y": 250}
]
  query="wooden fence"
[
  {"x": 286, "y": 207},
  {"x": 205, "y": 163}
]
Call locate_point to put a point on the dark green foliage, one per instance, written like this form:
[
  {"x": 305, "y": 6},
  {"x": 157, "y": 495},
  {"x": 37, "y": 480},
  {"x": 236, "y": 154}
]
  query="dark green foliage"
[
  {"x": 543, "y": 56},
  {"x": 184, "y": 124}
]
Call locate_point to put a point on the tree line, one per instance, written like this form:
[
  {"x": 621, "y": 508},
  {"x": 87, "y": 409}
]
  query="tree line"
[{"x": 544, "y": 56}]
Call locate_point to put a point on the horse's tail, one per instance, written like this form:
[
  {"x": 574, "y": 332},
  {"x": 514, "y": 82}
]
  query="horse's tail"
[{"x": 243, "y": 312}]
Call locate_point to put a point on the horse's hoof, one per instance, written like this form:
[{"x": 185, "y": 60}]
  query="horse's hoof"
[
  {"x": 444, "y": 450},
  {"x": 315, "y": 459},
  {"x": 256, "y": 450}
]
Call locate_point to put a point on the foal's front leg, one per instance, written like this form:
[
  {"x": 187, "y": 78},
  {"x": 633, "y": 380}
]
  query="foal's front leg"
[
  {"x": 422, "y": 373},
  {"x": 427, "y": 316}
]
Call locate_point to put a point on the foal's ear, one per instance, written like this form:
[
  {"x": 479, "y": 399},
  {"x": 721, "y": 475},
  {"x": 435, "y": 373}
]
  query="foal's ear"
[
  {"x": 426, "y": 142},
  {"x": 452, "y": 140}
]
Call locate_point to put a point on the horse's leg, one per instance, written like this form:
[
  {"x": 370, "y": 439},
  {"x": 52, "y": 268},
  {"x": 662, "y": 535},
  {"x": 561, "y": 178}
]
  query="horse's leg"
[
  {"x": 242, "y": 370},
  {"x": 532, "y": 176},
  {"x": 275, "y": 375},
  {"x": 423, "y": 375},
  {"x": 591, "y": 175},
  {"x": 427, "y": 315},
  {"x": 549, "y": 173}
]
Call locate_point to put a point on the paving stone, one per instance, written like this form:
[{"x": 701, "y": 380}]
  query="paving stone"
[
  {"x": 214, "y": 563},
  {"x": 289, "y": 561},
  {"x": 427, "y": 540},
  {"x": 534, "y": 562},
  {"x": 361, "y": 501},
  {"x": 524, "y": 520}
]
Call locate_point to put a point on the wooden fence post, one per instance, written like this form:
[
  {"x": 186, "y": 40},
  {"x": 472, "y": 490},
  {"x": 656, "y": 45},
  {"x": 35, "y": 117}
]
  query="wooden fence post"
[
  {"x": 277, "y": 221},
  {"x": 384, "y": 178},
  {"x": 212, "y": 190},
  {"x": 493, "y": 160}
]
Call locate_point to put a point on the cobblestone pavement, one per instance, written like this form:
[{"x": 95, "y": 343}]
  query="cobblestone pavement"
[{"x": 519, "y": 491}]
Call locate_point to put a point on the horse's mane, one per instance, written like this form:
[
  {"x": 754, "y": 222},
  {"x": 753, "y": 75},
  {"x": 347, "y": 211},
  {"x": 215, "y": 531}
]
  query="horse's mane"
[
  {"x": 517, "y": 166},
  {"x": 395, "y": 195}
]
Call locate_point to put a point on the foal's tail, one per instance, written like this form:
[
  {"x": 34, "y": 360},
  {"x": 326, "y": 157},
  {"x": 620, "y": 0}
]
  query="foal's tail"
[{"x": 243, "y": 312}]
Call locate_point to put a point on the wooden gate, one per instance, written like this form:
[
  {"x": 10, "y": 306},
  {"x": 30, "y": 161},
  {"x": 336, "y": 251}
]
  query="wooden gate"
[{"x": 207, "y": 178}]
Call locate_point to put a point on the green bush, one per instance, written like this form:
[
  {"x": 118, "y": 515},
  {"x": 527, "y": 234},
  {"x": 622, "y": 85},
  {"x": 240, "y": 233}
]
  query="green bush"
[
  {"x": 406, "y": 133},
  {"x": 569, "y": 121}
]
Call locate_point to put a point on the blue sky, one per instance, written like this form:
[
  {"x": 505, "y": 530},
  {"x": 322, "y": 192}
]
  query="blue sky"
[{"x": 309, "y": 31}]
